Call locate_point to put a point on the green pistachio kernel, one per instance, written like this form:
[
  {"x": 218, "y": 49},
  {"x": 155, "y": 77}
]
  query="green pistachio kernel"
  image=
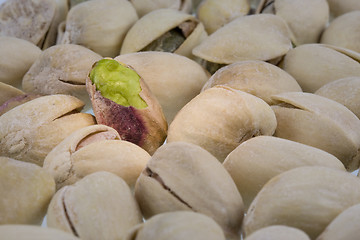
[{"x": 117, "y": 83}]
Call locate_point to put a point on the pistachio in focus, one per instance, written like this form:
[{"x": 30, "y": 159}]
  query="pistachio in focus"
[
  {"x": 143, "y": 7},
  {"x": 16, "y": 101},
  {"x": 278, "y": 232}
]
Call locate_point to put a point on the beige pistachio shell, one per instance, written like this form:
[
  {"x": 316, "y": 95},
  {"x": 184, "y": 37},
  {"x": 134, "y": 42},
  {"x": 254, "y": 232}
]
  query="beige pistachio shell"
[
  {"x": 7, "y": 91},
  {"x": 31, "y": 130},
  {"x": 338, "y": 8},
  {"x": 173, "y": 79},
  {"x": 100, "y": 25},
  {"x": 143, "y": 7},
  {"x": 178, "y": 225},
  {"x": 258, "y": 78},
  {"x": 344, "y": 32},
  {"x": 17, "y": 57},
  {"x": 344, "y": 226},
  {"x": 16, "y": 101},
  {"x": 99, "y": 206},
  {"x": 319, "y": 122},
  {"x": 257, "y": 160},
  {"x": 215, "y": 14},
  {"x": 27, "y": 232},
  {"x": 254, "y": 37},
  {"x": 26, "y": 190},
  {"x": 278, "y": 232},
  {"x": 308, "y": 198},
  {"x": 220, "y": 118},
  {"x": 314, "y": 65},
  {"x": 196, "y": 182}
]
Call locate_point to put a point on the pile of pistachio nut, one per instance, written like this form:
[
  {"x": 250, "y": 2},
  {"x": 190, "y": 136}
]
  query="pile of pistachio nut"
[{"x": 180, "y": 119}]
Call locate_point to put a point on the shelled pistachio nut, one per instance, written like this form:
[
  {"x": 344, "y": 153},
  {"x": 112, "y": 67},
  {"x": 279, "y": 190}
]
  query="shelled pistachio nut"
[
  {"x": 314, "y": 65},
  {"x": 278, "y": 232},
  {"x": 307, "y": 198},
  {"x": 16, "y": 101},
  {"x": 31, "y": 130},
  {"x": 177, "y": 225},
  {"x": 7, "y": 92},
  {"x": 319, "y": 122},
  {"x": 122, "y": 100},
  {"x": 99, "y": 206},
  {"x": 26, "y": 190},
  {"x": 99, "y": 25},
  {"x": 200, "y": 184},
  {"x": 220, "y": 118},
  {"x": 258, "y": 78},
  {"x": 257, "y": 160},
  {"x": 338, "y": 8},
  {"x": 164, "y": 30},
  {"x": 167, "y": 79},
  {"x": 17, "y": 56},
  {"x": 143, "y": 7}
]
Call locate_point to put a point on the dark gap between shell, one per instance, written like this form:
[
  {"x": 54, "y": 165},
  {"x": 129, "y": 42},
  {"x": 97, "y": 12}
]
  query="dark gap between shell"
[{"x": 68, "y": 217}]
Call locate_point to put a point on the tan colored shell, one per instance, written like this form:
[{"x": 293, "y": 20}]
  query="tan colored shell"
[
  {"x": 338, "y": 8},
  {"x": 319, "y": 122},
  {"x": 257, "y": 160},
  {"x": 314, "y": 65},
  {"x": 344, "y": 32},
  {"x": 99, "y": 206},
  {"x": 177, "y": 225},
  {"x": 278, "y": 232},
  {"x": 220, "y": 118},
  {"x": 196, "y": 182},
  {"x": 100, "y": 25},
  {"x": 173, "y": 79},
  {"x": 7, "y": 91},
  {"x": 16, "y": 101},
  {"x": 308, "y": 198},
  {"x": 17, "y": 57},
  {"x": 26, "y": 190},
  {"x": 31, "y": 130},
  {"x": 258, "y": 78},
  {"x": 254, "y": 37},
  {"x": 143, "y": 7}
]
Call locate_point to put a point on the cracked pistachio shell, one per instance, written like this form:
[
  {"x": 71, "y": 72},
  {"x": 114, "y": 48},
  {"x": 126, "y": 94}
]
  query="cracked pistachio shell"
[
  {"x": 258, "y": 78},
  {"x": 253, "y": 37},
  {"x": 100, "y": 25},
  {"x": 155, "y": 24},
  {"x": 178, "y": 225},
  {"x": 314, "y": 65},
  {"x": 26, "y": 190},
  {"x": 7, "y": 92},
  {"x": 307, "y": 198},
  {"x": 143, "y": 7},
  {"x": 17, "y": 56},
  {"x": 92, "y": 149},
  {"x": 167, "y": 79},
  {"x": 257, "y": 160},
  {"x": 319, "y": 122},
  {"x": 278, "y": 232},
  {"x": 338, "y": 8},
  {"x": 196, "y": 182},
  {"x": 220, "y": 118},
  {"x": 99, "y": 206},
  {"x": 16, "y": 101},
  {"x": 31, "y": 130},
  {"x": 344, "y": 32}
]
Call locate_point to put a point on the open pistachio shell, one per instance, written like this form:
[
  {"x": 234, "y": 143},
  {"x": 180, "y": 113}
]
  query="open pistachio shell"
[
  {"x": 99, "y": 206},
  {"x": 7, "y": 92},
  {"x": 16, "y": 101},
  {"x": 100, "y": 25},
  {"x": 258, "y": 78},
  {"x": 307, "y": 198},
  {"x": 220, "y": 118},
  {"x": 26, "y": 190},
  {"x": 319, "y": 122},
  {"x": 278, "y": 232},
  {"x": 173, "y": 79},
  {"x": 143, "y": 7},
  {"x": 31, "y": 130},
  {"x": 338, "y": 8}
]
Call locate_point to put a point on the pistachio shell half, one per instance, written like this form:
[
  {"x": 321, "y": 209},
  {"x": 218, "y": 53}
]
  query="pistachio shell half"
[
  {"x": 143, "y": 7},
  {"x": 16, "y": 101},
  {"x": 7, "y": 92},
  {"x": 338, "y": 8},
  {"x": 278, "y": 232}
]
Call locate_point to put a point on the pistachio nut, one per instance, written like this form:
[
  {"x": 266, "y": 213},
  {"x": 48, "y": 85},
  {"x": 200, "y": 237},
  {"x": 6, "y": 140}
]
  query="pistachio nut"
[
  {"x": 172, "y": 78},
  {"x": 16, "y": 101},
  {"x": 307, "y": 198},
  {"x": 165, "y": 30},
  {"x": 99, "y": 206},
  {"x": 343, "y": 31},
  {"x": 215, "y": 14},
  {"x": 200, "y": 184},
  {"x": 17, "y": 56},
  {"x": 31, "y": 130},
  {"x": 220, "y": 118},
  {"x": 345, "y": 91},
  {"x": 99, "y": 25},
  {"x": 319, "y": 122},
  {"x": 143, "y": 7},
  {"x": 177, "y": 225},
  {"x": 7, "y": 92},
  {"x": 122, "y": 100},
  {"x": 26, "y": 190},
  {"x": 314, "y": 65},
  {"x": 344, "y": 226},
  {"x": 61, "y": 69},
  {"x": 278, "y": 232},
  {"x": 258, "y": 78},
  {"x": 338, "y": 8}
]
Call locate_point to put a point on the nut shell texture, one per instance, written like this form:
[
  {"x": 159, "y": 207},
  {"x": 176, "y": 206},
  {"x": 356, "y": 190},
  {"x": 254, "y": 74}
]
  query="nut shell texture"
[{"x": 278, "y": 232}]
